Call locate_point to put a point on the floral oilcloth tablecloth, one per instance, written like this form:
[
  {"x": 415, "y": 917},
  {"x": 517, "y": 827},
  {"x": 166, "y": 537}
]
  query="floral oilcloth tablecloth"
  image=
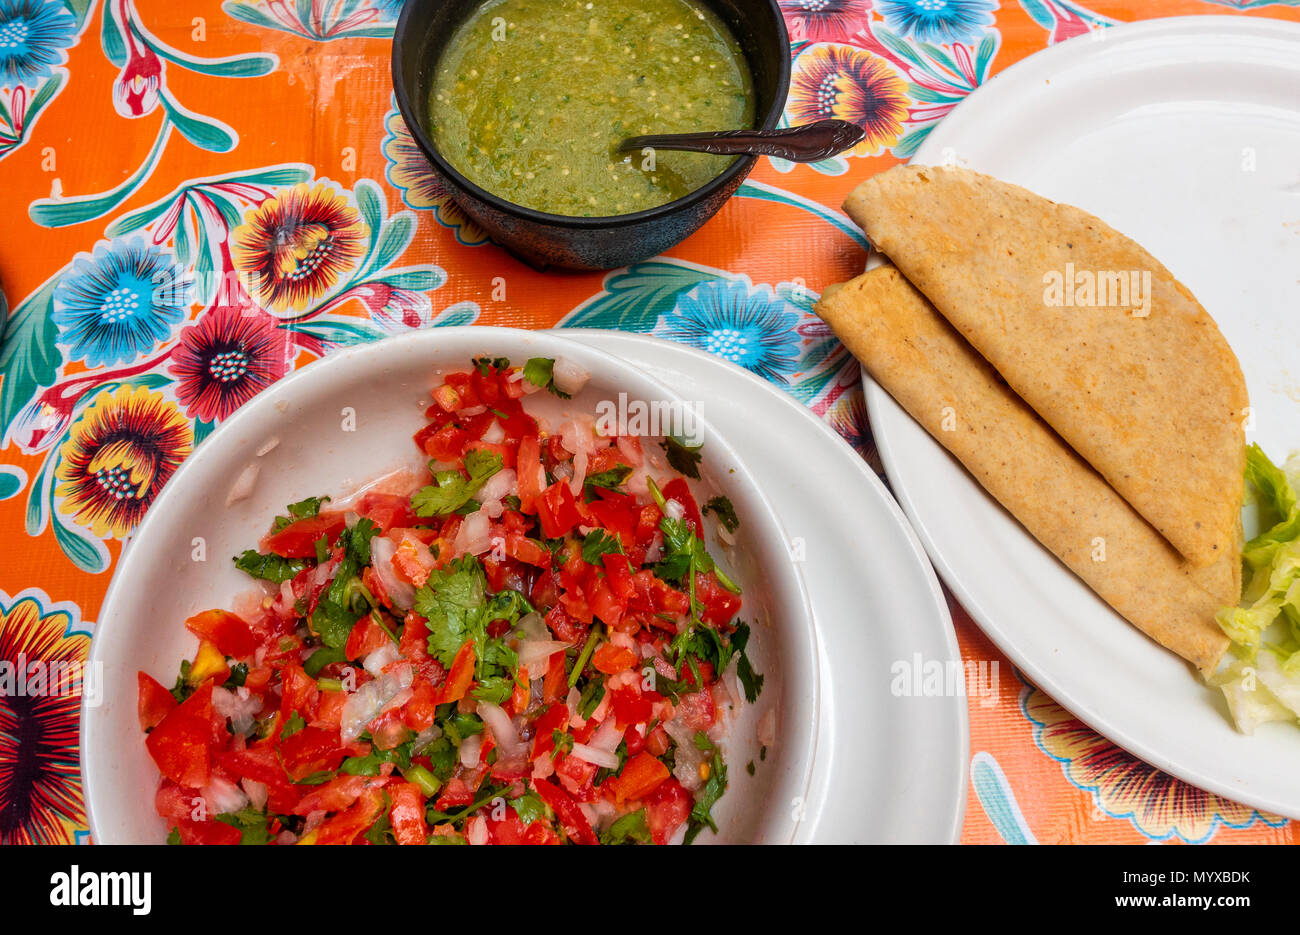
[{"x": 180, "y": 141}]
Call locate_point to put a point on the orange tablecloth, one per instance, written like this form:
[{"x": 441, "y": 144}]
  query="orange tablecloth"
[{"x": 157, "y": 141}]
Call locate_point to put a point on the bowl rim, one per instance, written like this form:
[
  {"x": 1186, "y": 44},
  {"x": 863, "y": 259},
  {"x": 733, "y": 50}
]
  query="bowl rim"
[
  {"x": 440, "y": 166},
  {"x": 805, "y": 632}
]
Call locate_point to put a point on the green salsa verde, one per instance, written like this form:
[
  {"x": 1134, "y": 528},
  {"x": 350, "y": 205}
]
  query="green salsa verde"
[{"x": 531, "y": 97}]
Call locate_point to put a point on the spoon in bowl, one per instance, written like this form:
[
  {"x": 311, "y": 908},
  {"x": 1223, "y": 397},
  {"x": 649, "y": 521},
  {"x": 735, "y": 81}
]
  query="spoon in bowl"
[{"x": 811, "y": 142}]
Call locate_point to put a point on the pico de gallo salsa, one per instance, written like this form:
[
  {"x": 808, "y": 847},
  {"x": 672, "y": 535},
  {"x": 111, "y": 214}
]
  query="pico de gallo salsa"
[{"x": 533, "y": 646}]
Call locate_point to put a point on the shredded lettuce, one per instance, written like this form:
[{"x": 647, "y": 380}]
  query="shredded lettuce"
[{"x": 1263, "y": 683}]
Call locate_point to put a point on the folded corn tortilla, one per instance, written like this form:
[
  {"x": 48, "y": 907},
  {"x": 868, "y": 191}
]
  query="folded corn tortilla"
[
  {"x": 1089, "y": 329},
  {"x": 911, "y": 350}
]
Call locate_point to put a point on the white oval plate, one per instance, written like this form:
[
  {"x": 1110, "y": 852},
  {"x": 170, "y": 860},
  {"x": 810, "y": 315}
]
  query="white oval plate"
[
  {"x": 890, "y": 768},
  {"x": 1184, "y": 134}
]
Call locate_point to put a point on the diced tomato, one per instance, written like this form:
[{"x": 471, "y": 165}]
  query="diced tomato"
[
  {"x": 697, "y": 710},
  {"x": 505, "y": 452},
  {"x": 455, "y": 793},
  {"x": 298, "y": 539},
  {"x": 310, "y": 750},
  {"x": 554, "y": 684},
  {"x": 406, "y": 813},
  {"x": 511, "y": 830},
  {"x": 647, "y": 524},
  {"x": 554, "y": 717},
  {"x": 329, "y": 710},
  {"x": 228, "y": 632},
  {"x": 375, "y": 585},
  {"x": 578, "y": 776},
  {"x": 612, "y": 659},
  {"x": 181, "y": 743},
  {"x": 387, "y": 510},
  {"x": 557, "y": 511},
  {"x": 207, "y": 832},
  {"x": 461, "y": 676},
  {"x": 606, "y": 459},
  {"x": 528, "y": 551},
  {"x": 414, "y": 647},
  {"x": 298, "y": 692},
  {"x": 566, "y": 810},
  {"x": 334, "y": 796},
  {"x": 153, "y": 701},
  {"x": 720, "y": 605},
  {"x": 173, "y": 801},
  {"x": 677, "y": 489},
  {"x": 657, "y": 741},
  {"x": 365, "y": 638},
  {"x": 419, "y": 713},
  {"x": 641, "y": 775},
  {"x": 666, "y": 808},
  {"x": 529, "y": 467},
  {"x": 344, "y": 828},
  {"x": 618, "y": 571},
  {"x": 605, "y": 604},
  {"x": 632, "y": 707}
]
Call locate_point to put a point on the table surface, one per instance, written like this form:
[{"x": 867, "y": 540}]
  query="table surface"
[{"x": 147, "y": 141}]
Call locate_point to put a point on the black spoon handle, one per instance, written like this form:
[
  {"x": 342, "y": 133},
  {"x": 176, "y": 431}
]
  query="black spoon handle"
[{"x": 810, "y": 143}]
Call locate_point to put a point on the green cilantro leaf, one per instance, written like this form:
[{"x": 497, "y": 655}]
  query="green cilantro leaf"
[
  {"x": 451, "y": 490},
  {"x": 540, "y": 371},
  {"x": 453, "y": 601},
  {"x": 599, "y": 542},
  {"x": 529, "y": 807},
  {"x": 725, "y": 511},
  {"x": 303, "y": 509},
  {"x": 267, "y": 566},
  {"x": 611, "y": 479},
  {"x": 683, "y": 458},
  {"x": 632, "y": 828}
]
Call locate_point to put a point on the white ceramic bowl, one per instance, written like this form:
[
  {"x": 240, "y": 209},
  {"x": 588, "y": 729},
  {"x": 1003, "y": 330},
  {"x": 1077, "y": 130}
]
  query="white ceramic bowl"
[{"x": 383, "y": 387}]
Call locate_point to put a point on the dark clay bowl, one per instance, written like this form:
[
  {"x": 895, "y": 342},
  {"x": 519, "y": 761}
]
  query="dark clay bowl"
[{"x": 543, "y": 239}]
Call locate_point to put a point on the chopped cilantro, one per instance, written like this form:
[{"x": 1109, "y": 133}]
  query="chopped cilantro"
[
  {"x": 611, "y": 479},
  {"x": 597, "y": 543},
  {"x": 268, "y": 567},
  {"x": 725, "y": 511},
  {"x": 451, "y": 490},
  {"x": 631, "y": 828},
  {"x": 303, "y": 509},
  {"x": 540, "y": 371},
  {"x": 529, "y": 807},
  {"x": 683, "y": 458},
  {"x": 294, "y": 724},
  {"x": 251, "y": 824}
]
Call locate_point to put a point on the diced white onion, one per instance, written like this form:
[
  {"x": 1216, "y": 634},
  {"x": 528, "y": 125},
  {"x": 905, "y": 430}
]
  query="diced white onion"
[
  {"x": 367, "y": 701},
  {"x": 569, "y": 377},
  {"x": 767, "y": 728},
  {"x": 244, "y": 483},
  {"x": 474, "y": 536},
  {"x": 495, "y": 434},
  {"x": 608, "y": 736},
  {"x": 240, "y": 705},
  {"x": 476, "y": 830},
  {"x": 630, "y": 450},
  {"x": 470, "y": 748},
  {"x": 535, "y": 651},
  {"x": 604, "y": 758},
  {"x": 222, "y": 795},
  {"x": 503, "y": 730},
  {"x": 375, "y": 662},
  {"x": 503, "y": 483},
  {"x": 674, "y": 510},
  {"x": 470, "y": 411},
  {"x": 579, "y": 473},
  {"x": 401, "y": 593},
  {"x": 256, "y": 792}
]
